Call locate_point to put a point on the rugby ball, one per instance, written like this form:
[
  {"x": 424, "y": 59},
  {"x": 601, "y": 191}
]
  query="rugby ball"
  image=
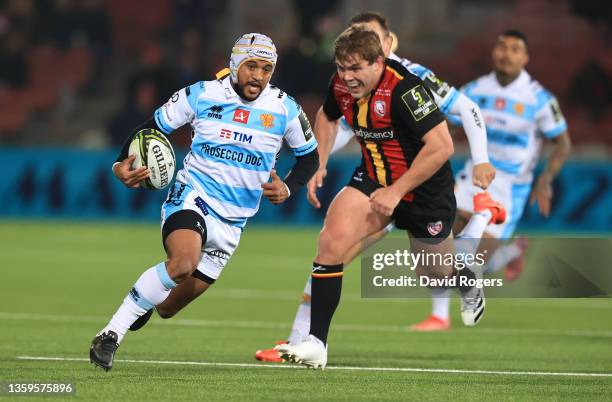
[{"x": 153, "y": 150}]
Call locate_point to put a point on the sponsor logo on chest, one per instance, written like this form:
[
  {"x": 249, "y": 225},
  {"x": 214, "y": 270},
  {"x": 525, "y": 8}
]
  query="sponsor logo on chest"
[
  {"x": 267, "y": 120},
  {"x": 241, "y": 116},
  {"x": 235, "y": 135},
  {"x": 500, "y": 103},
  {"x": 380, "y": 108},
  {"x": 215, "y": 112},
  {"x": 374, "y": 133}
]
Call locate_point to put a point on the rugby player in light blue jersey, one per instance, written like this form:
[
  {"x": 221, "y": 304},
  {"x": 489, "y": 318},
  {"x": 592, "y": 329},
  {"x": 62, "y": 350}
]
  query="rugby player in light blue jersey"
[
  {"x": 519, "y": 115},
  {"x": 239, "y": 122}
]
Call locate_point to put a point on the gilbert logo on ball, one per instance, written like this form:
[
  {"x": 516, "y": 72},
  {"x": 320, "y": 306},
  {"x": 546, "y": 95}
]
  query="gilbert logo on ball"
[{"x": 153, "y": 150}]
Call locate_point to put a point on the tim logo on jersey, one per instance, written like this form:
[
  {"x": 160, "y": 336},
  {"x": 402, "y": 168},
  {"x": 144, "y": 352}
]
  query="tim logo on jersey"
[
  {"x": 241, "y": 116},
  {"x": 235, "y": 135}
]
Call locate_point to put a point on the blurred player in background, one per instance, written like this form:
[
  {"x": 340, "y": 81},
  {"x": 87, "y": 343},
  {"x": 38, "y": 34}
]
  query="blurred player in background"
[
  {"x": 518, "y": 111},
  {"x": 404, "y": 177},
  {"x": 450, "y": 102},
  {"x": 239, "y": 122}
]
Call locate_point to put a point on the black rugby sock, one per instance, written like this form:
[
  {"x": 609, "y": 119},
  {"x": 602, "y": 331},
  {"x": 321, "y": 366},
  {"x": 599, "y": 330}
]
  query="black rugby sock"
[{"x": 325, "y": 296}]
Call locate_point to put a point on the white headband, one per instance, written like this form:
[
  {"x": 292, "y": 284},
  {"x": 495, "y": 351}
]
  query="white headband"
[{"x": 251, "y": 46}]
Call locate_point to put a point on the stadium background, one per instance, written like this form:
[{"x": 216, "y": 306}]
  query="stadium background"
[{"x": 77, "y": 76}]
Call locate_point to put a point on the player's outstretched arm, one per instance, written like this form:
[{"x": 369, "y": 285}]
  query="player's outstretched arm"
[
  {"x": 476, "y": 133},
  {"x": 542, "y": 191},
  {"x": 325, "y": 130},
  {"x": 438, "y": 147}
]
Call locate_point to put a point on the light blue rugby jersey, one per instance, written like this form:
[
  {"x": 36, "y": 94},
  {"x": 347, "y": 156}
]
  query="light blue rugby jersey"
[
  {"x": 444, "y": 94},
  {"x": 235, "y": 142},
  {"x": 516, "y": 116}
]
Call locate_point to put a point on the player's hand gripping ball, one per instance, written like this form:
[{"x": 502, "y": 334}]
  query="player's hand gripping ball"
[{"x": 154, "y": 151}]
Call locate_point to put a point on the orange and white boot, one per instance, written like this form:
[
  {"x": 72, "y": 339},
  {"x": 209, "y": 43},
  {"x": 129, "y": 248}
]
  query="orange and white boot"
[
  {"x": 270, "y": 355},
  {"x": 483, "y": 201},
  {"x": 431, "y": 324}
]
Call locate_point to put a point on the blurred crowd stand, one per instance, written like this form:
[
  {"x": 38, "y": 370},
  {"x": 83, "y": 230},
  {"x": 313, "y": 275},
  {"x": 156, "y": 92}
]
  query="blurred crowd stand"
[{"x": 86, "y": 72}]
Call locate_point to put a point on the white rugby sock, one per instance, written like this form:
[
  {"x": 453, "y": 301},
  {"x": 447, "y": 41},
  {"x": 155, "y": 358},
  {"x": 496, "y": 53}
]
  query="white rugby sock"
[
  {"x": 151, "y": 289},
  {"x": 466, "y": 245},
  {"x": 301, "y": 322},
  {"x": 502, "y": 256},
  {"x": 476, "y": 225},
  {"x": 467, "y": 241},
  {"x": 440, "y": 302}
]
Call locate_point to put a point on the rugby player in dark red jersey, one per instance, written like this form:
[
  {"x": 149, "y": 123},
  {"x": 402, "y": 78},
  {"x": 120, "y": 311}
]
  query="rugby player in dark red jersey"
[{"x": 405, "y": 176}]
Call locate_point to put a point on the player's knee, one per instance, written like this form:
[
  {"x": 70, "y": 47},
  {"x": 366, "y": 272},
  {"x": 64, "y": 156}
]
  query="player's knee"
[
  {"x": 181, "y": 267},
  {"x": 329, "y": 247}
]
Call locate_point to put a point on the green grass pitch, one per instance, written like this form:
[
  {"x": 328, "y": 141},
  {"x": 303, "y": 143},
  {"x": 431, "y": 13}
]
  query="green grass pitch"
[{"x": 61, "y": 282}]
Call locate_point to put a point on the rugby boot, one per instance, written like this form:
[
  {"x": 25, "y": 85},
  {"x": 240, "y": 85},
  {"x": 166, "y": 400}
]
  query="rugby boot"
[
  {"x": 472, "y": 306},
  {"x": 270, "y": 355},
  {"x": 311, "y": 352},
  {"x": 103, "y": 348},
  {"x": 483, "y": 201},
  {"x": 431, "y": 324}
]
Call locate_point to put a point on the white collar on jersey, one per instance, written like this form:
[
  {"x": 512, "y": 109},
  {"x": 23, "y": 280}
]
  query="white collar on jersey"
[
  {"x": 522, "y": 79},
  {"x": 231, "y": 93},
  {"x": 395, "y": 57}
]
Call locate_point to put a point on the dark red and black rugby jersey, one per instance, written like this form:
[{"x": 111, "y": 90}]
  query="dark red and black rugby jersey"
[{"x": 389, "y": 124}]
